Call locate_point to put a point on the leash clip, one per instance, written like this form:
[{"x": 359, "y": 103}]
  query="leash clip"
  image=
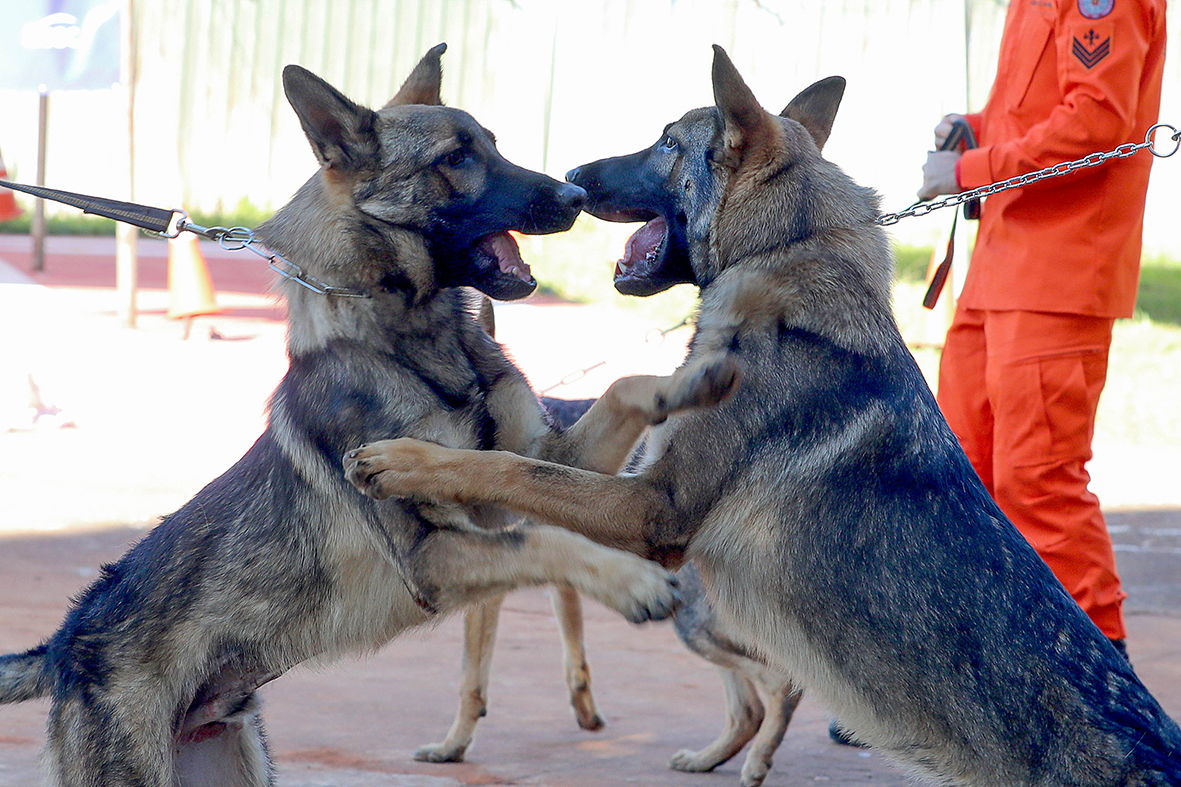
[{"x": 239, "y": 238}]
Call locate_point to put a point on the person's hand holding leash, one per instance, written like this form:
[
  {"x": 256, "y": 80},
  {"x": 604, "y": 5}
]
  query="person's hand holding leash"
[
  {"x": 939, "y": 171},
  {"x": 944, "y": 130}
]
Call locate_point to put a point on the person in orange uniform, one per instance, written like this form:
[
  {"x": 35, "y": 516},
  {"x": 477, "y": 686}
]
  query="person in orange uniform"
[{"x": 1055, "y": 263}]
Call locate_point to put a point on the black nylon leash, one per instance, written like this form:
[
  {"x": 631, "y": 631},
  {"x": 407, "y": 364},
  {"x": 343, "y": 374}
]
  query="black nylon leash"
[
  {"x": 171, "y": 223},
  {"x": 145, "y": 217}
]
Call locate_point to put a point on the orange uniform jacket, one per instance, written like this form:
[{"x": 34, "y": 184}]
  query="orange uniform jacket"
[{"x": 1075, "y": 77}]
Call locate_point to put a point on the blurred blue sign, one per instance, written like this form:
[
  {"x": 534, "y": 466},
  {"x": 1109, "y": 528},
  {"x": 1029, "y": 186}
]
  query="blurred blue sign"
[{"x": 59, "y": 44}]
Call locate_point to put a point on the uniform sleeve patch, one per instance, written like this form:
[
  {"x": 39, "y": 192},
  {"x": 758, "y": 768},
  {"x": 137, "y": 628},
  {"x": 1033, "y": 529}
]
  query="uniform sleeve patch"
[
  {"x": 1089, "y": 49},
  {"x": 1095, "y": 9}
]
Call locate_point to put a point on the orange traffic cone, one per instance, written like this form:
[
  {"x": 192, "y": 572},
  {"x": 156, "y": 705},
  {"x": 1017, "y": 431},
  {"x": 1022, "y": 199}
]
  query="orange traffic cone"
[
  {"x": 188, "y": 281},
  {"x": 9, "y": 210}
]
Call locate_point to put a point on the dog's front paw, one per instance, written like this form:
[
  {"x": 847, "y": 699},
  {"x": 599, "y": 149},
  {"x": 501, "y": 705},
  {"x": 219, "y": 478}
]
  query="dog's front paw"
[
  {"x": 389, "y": 468},
  {"x": 638, "y": 589},
  {"x": 706, "y": 382},
  {"x": 362, "y": 468}
]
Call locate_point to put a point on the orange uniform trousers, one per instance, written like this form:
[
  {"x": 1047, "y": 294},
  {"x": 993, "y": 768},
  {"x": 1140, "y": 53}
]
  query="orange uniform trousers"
[{"x": 1020, "y": 390}]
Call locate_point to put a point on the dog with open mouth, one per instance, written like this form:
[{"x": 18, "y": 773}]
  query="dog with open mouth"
[
  {"x": 839, "y": 529},
  {"x": 154, "y": 674}
]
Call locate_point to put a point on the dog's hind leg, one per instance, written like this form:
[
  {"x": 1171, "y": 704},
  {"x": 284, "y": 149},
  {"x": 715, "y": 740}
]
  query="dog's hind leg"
[
  {"x": 781, "y": 697},
  {"x": 748, "y": 720},
  {"x": 93, "y": 741},
  {"x": 479, "y": 638},
  {"x": 744, "y": 714},
  {"x": 568, "y": 610}
]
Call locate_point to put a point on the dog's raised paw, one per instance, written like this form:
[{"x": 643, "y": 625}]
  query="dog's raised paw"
[
  {"x": 718, "y": 380},
  {"x": 641, "y": 591},
  {"x": 363, "y": 471},
  {"x": 707, "y": 383}
]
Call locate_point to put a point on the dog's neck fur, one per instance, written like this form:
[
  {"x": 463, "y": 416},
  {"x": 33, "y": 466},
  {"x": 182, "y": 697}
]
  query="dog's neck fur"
[
  {"x": 314, "y": 320},
  {"x": 325, "y": 246},
  {"x": 800, "y": 278}
]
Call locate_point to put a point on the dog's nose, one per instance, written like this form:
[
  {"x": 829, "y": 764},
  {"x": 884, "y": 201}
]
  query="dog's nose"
[
  {"x": 572, "y": 175},
  {"x": 571, "y": 196}
]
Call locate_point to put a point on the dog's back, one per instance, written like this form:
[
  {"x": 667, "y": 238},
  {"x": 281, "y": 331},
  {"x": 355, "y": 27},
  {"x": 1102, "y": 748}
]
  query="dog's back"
[{"x": 898, "y": 591}]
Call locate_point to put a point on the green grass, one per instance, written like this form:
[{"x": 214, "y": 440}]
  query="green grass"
[
  {"x": 910, "y": 262},
  {"x": 1144, "y": 368},
  {"x": 1159, "y": 298}
]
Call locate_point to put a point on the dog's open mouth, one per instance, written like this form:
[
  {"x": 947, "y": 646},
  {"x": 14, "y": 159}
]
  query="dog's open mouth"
[
  {"x": 642, "y": 255},
  {"x": 502, "y": 249},
  {"x": 502, "y": 273}
]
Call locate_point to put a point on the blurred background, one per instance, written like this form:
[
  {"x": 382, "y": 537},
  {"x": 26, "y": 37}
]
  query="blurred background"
[{"x": 198, "y": 118}]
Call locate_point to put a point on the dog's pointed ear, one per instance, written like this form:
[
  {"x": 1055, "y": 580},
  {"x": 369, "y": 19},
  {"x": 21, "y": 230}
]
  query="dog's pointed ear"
[
  {"x": 746, "y": 126},
  {"x": 342, "y": 133},
  {"x": 425, "y": 83},
  {"x": 816, "y": 106}
]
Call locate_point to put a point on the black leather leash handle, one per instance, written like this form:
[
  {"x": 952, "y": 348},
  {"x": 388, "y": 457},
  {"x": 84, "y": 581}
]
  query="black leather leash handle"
[
  {"x": 961, "y": 134},
  {"x": 142, "y": 216}
]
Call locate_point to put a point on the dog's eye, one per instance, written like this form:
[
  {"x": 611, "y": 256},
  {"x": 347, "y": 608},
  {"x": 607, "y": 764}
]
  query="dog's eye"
[
  {"x": 669, "y": 143},
  {"x": 456, "y": 157}
]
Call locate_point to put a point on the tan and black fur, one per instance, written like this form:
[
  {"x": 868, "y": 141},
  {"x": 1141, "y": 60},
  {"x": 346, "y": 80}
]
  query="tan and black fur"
[
  {"x": 154, "y": 673},
  {"x": 760, "y": 699},
  {"x": 836, "y": 521}
]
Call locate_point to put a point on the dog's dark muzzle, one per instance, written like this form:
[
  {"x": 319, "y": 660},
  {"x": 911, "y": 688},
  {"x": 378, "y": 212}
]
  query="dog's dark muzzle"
[
  {"x": 568, "y": 201},
  {"x": 617, "y": 190},
  {"x": 551, "y": 207}
]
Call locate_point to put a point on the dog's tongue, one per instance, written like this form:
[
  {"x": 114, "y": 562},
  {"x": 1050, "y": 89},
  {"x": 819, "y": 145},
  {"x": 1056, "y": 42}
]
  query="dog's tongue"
[
  {"x": 643, "y": 245},
  {"x": 503, "y": 248}
]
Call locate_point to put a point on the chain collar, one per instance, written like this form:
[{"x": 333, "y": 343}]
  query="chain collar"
[{"x": 238, "y": 238}]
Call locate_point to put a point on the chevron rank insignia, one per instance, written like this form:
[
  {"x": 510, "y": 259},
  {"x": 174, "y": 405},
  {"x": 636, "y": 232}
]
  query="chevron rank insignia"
[{"x": 1090, "y": 50}]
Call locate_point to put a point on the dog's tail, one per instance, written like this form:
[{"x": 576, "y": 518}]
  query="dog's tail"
[{"x": 24, "y": 676}]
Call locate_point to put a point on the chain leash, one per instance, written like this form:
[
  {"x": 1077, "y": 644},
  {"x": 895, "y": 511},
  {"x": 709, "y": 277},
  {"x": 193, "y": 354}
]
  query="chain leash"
[
  {"x": 238, "y": 238},
  {"x": 1066, "y": 167}
]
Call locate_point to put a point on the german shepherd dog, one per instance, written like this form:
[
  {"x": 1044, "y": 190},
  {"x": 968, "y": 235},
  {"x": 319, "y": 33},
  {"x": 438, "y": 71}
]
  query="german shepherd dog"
[
  {"x": 836, "y": 522},
  {"x": 153, "y": 675}
]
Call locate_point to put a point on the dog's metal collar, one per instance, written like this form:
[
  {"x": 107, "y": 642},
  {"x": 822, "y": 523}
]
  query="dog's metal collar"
[
  {"x": 238, "y": 238},
  {"x": 171, "y": 223}
]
